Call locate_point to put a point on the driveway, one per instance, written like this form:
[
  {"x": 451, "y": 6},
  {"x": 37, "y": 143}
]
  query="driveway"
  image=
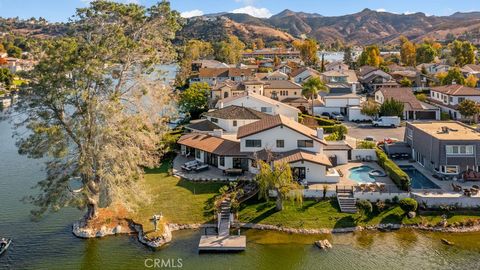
[{"x": 360, "y": 131}]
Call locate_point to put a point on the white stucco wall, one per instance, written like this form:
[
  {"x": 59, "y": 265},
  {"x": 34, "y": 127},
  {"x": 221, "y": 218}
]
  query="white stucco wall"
[
  {"x": 342, "y": 155},
  {"x": 363, "y": 153},
  {"x": 314, "y": 173},
  {"x": 269, "y": 140}
]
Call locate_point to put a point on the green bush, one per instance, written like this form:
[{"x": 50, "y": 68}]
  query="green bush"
[
  {"x": 366, "y": 145},
  {"x": 408, "y": 205},
  {"x": 399, "y": 177},
  {"x": 365, "y": 207}
]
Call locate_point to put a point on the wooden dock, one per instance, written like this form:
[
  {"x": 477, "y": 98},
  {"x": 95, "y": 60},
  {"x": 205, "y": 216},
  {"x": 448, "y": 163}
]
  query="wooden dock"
[{"x": 226, "y": 243}]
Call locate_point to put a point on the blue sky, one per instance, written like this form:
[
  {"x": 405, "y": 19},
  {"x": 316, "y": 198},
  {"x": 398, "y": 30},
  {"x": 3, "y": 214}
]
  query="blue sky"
[{"x": 61, "y": 10}]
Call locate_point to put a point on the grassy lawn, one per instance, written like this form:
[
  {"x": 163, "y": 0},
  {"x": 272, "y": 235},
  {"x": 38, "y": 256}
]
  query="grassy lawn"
[
  {"x": 178, "y": 200},
  {"x": 326, "y": 214}
]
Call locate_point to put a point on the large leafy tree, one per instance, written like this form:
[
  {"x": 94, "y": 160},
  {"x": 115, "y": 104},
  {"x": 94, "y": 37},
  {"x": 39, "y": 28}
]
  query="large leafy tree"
[
  {"x": 468, "y": 108},
  {"x": 308, "y": 51},
  {"x": 278, "y": 178},
  {"x": 370, "y": 108},
  {"x": 311, "y": 88},
  {"x": 370, "y": 56},
  {"x": 463, "y": 52},
  {"x": 471, "y": 81},
  {"x": 194, "y": 100},
  {"x": 229, "y": 51},
  {"x": 6, "y": 77},
  {"x": 407, "y": 51},
  {"x": 348, "y": 58},
  {"x": 392, "y": 107},
  {"x": 426, "y": 53},
  {"x": 453, "y": 75},
  {"x": 95, "y": 111}
]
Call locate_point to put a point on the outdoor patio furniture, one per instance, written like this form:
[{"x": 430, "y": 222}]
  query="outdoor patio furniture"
[
  {"x": 200, "y": 168},
  {"x": 471, "y": 176},
  {"x": 467, "y": 192},
  {"x": 473, "y": 191},
  {"x": 456, "y": 188},
  {"x": 476, "y": 187},
  {"x": 233, "y": 172}
]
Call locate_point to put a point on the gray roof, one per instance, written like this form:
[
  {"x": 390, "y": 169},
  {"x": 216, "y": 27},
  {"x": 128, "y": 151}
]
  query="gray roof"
[{"x": 203, "y": 125}]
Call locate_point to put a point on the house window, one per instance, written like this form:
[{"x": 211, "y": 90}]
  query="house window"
[
  {"x": 253, "y": 143},
  {"x": 253, "y": 163},
  {"x": 222, "y": 161},
  {"x": 449, "y": 169},
  {"x": 461, "y": 99},
  {"x": 450, "y": 99},
  {"x": 197, "y": 153},
  {"x": 305, "y": 143},
  {"x": 459, "y": 150},
  {"x": 280, "y": 143},
  {"x": 234, "y": 123},
  {"x": 214, "y": 120},
  {"x": 266, "y": 109}
]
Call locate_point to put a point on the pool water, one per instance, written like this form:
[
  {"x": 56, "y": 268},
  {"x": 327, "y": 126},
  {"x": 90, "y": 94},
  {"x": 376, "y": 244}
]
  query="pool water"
[
  {"x": 361, "y": 174},
  {"x": 418, "y": 180}
]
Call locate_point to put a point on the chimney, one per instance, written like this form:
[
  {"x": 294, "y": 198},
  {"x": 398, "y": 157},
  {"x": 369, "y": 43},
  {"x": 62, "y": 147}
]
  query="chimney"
[
  {"x": 320, "y": 133},
  {"x": 218, "y": 133}
]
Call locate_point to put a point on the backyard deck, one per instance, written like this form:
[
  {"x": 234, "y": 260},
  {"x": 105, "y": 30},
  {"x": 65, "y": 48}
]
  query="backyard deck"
[
  {"x": 211, "y": 174},
  {"x": 214, "y": 243}
]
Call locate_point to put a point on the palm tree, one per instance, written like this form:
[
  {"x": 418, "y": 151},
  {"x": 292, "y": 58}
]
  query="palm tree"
[
  {"x": 311, "y": 88},
  {"x": 278, "y": 178}
]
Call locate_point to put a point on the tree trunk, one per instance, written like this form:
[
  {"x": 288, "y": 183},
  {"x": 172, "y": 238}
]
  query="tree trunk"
[
  {"x": 92, "y": 208},
  {"x": 279, "y": 202}
]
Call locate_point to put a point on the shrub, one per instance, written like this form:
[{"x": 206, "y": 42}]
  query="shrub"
[
  {"x": 408, "y": 205},
  {"x": 444, "y": 116},
  {"x": 380, "y": 205},
  {"x": 395, "y": 199},
  {"x": 365, "y": 207},
  {"x": 337, "y": 132},
  {"x": 399, "y": 177},
  {"x": 321, "y": 121},
  {"x": 366, "y": 145}
]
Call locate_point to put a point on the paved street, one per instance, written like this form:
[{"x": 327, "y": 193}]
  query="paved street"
[{"x": 360, "y": 131}]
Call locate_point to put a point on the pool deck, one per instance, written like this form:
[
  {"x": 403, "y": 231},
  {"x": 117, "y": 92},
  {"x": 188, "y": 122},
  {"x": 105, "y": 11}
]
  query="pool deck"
[{"x": 346, "y": 182}]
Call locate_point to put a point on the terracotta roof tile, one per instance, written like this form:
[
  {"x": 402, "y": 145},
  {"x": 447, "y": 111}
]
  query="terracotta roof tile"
[
  {"x": 457, "y": 90},
  {"x": 275, "y": 121},
  {"x": 211, "y": 144}
]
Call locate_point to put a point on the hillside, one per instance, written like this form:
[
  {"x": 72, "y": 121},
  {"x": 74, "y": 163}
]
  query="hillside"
[{"x": 361, "y": 28}]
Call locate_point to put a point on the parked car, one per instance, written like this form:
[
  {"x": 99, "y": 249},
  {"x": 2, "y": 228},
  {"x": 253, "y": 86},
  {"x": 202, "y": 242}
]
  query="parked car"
[
  {"x": 369, "y": 139},
  {"x": 387, "y": 121},
  {"x": 337, "y": 116},
  {"x": 326, "y": 114}
]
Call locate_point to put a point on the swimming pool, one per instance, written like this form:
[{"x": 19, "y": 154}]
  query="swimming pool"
[
  {"x": 418, "y": 180},
  {"x": 361, "y": 174}
]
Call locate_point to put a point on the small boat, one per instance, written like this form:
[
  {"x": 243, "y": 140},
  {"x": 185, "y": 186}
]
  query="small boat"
[{"x": 4, "y": 244}]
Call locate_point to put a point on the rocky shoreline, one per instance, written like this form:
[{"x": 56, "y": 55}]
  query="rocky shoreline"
[{"x": 83, "y": 232}]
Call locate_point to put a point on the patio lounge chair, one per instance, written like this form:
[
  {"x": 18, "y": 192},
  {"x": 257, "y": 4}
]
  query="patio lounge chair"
[
  {"x": 456, "y": 188},
  {"x": 473, "y": 191},
  {"x": 476, "y": 187},
  {"x": 200, "y": 168}
]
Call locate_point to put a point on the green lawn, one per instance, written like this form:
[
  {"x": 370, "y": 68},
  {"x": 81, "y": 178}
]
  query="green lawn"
[
  {"x": 326, "y": 214},
  {"x": 178, "y": 200}
]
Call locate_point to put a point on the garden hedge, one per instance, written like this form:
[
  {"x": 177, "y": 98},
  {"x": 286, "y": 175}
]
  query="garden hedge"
[{"x": 399, "y": 177}]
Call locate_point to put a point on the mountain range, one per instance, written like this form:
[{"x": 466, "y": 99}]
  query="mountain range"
[{"x": 365, "y": 27}]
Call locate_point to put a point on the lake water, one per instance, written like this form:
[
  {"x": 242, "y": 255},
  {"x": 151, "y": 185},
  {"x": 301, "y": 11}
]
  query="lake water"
[{"x": 49, "y": 243}]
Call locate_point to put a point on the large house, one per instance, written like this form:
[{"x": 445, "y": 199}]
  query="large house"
[
  {"x": 271, "y": 139},
  {"x": 413, "y": 108},
  {"x": 337, "y": 102},
  {"x": 373, "y": 78},
  {"x": 346, "y": 79},
  {"x": 336, "y": 65},
  {"x": 448, "y": 97},
  {"x": 301, "y": 75},
  {"x": 445, "y": 148},
  {"x": 227, "y": 119},
  {"x": 433, "y": 68},
  {"x": 260, "y": 103}
]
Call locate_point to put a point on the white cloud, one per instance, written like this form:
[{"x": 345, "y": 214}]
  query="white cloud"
[
  {"x": 254, "y": 11},
  {"x": 408, "y": 12},
  {"x": 191, "y": 13},
  {"x": 381, "y": 10}
]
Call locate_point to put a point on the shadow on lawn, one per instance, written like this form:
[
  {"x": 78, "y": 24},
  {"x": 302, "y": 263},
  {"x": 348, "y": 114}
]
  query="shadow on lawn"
[{"x": 345, "y": 222}]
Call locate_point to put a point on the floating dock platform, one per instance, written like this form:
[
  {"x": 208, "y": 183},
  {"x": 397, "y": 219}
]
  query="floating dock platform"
[{"x": 228, "y": 243}]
